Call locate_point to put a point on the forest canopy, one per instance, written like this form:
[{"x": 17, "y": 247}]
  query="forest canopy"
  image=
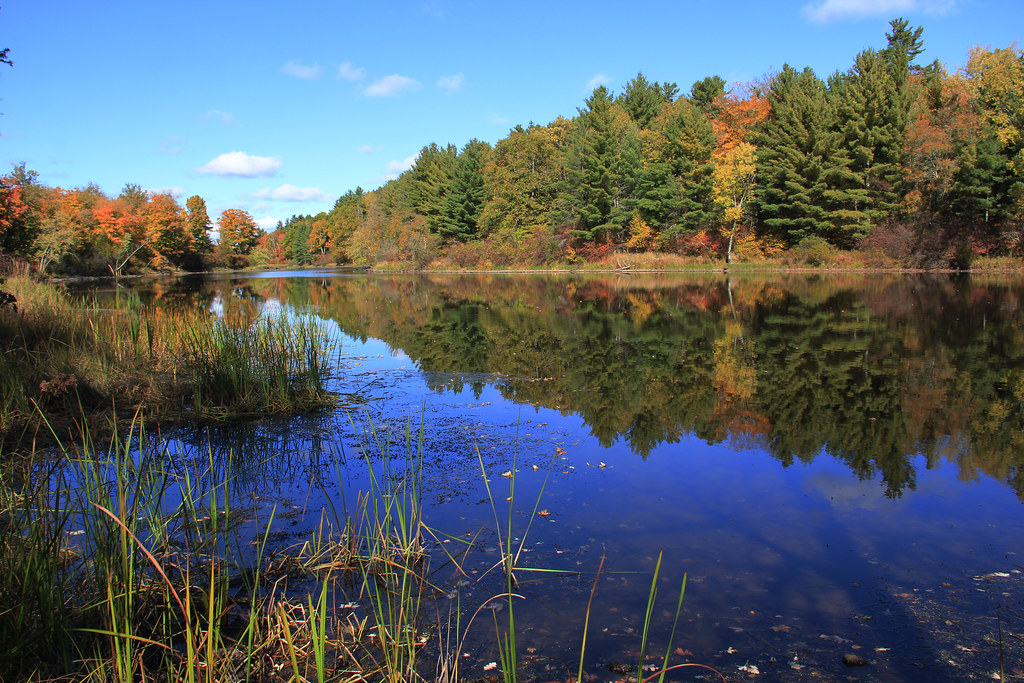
[{"x": 893, "y": 157}]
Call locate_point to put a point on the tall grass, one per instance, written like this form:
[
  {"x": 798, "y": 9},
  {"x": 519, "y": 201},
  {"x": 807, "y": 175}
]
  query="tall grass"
[
  {"x": 121, "y": 563},
  {"x": 64, "y": 361}
]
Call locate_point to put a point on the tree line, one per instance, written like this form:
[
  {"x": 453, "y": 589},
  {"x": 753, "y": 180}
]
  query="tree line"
[
  {"x": 891, "y": 157},
  {"x": 83, "y": 231},
  {"x": 909, "y": 160}
]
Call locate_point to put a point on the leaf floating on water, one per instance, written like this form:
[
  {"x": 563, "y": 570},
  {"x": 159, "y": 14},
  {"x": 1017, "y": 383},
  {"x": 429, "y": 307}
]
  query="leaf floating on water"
[
  {"x": 602, "y": 465},
  {"x": 781, "y": 628},
  {"x": 683, "y": 653},
  {"x": 731, "y": 650},
  {"x": 491, "y": 666},
  {"x": 535, "y": 468},
  {"x": 544, "y": 513},
  {"x": 507, "y": 474},
  {"x": 750, "y": 669}
]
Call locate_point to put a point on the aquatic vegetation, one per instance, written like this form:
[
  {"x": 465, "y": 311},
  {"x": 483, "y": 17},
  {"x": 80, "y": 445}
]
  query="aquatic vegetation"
[
  {"x": 67, "y": 361},
  {"x": 127, "y": 562}
]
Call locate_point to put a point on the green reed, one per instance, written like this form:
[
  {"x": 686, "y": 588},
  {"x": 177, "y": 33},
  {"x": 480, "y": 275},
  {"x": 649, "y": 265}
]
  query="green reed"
[
  {"x": 117, "y": 564},
  {"x": 65, "y": 357}
]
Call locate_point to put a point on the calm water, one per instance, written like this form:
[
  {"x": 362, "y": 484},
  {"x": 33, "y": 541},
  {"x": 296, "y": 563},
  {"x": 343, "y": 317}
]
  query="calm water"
[{"x": 834, "y": 462}]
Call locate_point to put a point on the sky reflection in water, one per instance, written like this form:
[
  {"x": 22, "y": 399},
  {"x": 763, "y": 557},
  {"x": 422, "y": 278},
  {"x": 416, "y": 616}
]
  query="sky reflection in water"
[{"x": 834, "y": 464}]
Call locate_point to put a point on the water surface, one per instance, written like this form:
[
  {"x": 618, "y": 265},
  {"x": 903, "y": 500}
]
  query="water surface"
[{"x": 834, "y": 462}]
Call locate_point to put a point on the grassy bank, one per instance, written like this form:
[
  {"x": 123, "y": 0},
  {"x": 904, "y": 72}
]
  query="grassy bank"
[{"x": 65, "y": 362}]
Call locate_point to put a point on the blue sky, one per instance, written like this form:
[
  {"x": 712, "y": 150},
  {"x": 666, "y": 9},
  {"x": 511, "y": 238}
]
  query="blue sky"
[{"x": 279, "y": 108}]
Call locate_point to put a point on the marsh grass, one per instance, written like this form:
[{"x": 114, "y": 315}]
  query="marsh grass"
[
  {"x": 67, "y": 361},
  {"x": 122, "y": 563}
]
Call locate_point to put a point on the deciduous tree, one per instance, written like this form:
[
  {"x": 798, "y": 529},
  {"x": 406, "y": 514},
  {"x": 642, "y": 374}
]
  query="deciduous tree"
[{"x": 239, "y": 233}]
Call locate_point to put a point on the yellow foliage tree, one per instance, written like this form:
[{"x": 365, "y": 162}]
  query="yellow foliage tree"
[{"x": 735, "y": 171}]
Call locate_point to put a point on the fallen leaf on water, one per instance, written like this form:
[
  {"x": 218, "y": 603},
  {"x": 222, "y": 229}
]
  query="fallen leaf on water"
[
  {"x": 683, "y": 653},
  {"x": 507, "y": 475},
  {"x": 535, "y": 468},
  {"x": 750, "y": 669},
  {"x": 544, "y": 513},
  {"x": 602, "y": 465},
  {"x": 531, "y": 650},
  {"x": 781, "y": 627},
  {"x": 731, "y": 650},
  {"x": 490, "y": 667}
]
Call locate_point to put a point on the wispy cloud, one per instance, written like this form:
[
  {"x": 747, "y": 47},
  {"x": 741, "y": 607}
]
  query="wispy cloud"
[
  {"x": 397, "y": 168},
  {"x": 497, "y": 119},
  {"x": 241, "y": 165},
  {"x": 303, "y": 71},
  {"x": 450, "y": 84},
  {"x": 267, "y": 223},
  {"x": 220, "y": 117},
  {"x": 351, "y": 73},
  {"x": 826, "y": 11},
  {"x": 171, "y": 145},
  {"x": 392, "y": 85},
  {"x": 290, "y": 193},
  {"x": 598, "y": 79},
  {"x": 174, "y": 191},
  {"x": 368, "y": 149}
]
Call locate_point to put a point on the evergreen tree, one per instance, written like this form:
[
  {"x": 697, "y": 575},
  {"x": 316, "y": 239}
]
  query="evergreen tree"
[
  {"x": 602, "y": 165},
  {"x": 296, "y": 239},
  {"x": 904, "y": 41},
  {"x": 704, "y": 92},
  {"x": 643, "y": 100},
  {"x": 460, "y": 215},
  {"x": 801, "y": 162},
  {"x": 674, "y": 191},
  {"x": 429, "y": 181},
  {"x": 872, "y": 104}
]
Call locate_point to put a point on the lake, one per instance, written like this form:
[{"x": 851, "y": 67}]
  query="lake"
[{"x": 833, "y": 461}]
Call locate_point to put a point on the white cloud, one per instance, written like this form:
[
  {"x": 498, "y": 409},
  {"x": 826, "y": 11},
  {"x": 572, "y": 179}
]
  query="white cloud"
[
  {"x": 175, "y": 191},
  {"x": 298, "y": 70},
  {"x": 267, "y": 223},
  {"x": 241, "y": 165},
  {"x": 350, "y": 73},
  {"x": 397, "y": 168},
  {"x": 825, "y": 11},
  {"x": 450, "y": 84},
  {"x": 392, "y": 85},
  {"x": 368, "y": 149},
  {"x": 290, "y": 193},
  {"x": 599, "y": 79}
]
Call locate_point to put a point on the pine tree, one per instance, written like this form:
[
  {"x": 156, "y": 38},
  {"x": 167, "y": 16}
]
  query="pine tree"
[
  {"x": 429, "y": 182},
  {"x": 872, "y": 104},
  {"x": 602, "y": 166},
  {"x": 674, "y": 192},
  {"x": 801, "y": 162},
  {"x": 460, "y": 216},
  {"x": 643, "y": 100},
  {"x": 704, "y": 92}
]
